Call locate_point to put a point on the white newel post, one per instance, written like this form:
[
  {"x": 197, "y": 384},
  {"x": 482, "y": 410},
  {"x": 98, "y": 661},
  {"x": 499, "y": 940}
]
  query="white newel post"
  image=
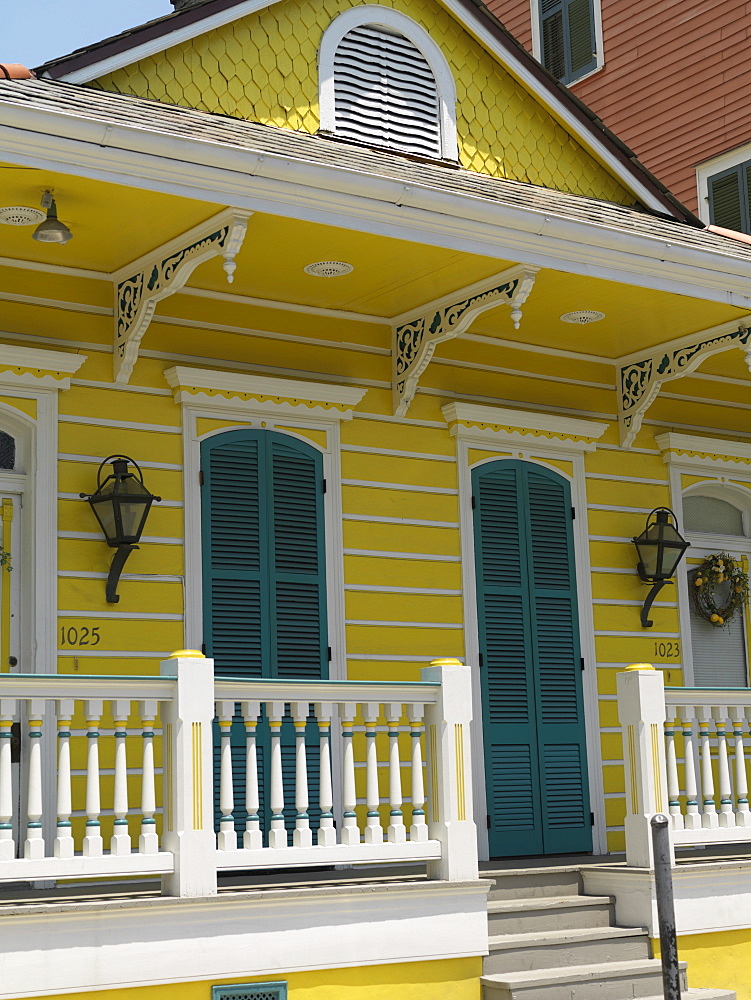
[
  {"x": 449, "y": 806},
  {"x": 188, "y": 769},
  {"x": 641, "y": 710}
]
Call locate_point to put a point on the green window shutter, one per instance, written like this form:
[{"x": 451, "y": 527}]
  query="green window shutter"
[
  {"x": 264, "y": 567},
  {"x": 568, "y": 37},
  {"x": 729, "y": 198},
  {"x": 531, "y": 672}
]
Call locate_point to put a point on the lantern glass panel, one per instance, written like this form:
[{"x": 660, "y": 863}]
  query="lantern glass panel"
[{"x": 132, "y": 518}]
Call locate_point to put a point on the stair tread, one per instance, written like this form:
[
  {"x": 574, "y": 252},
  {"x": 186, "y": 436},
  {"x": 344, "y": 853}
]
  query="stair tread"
[
  {"x": 545, "y": 903},
  {"x": 499, "y": 942},
  {"x": 575, "y": 973},
  {"x": 699, "y": 993},
  {"x": 545, "y": 870}
]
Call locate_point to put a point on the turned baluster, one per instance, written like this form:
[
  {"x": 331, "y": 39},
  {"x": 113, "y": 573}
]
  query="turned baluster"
[
  {"x": 674, "y": 788},
  {"x": 252, "y": 837},
  {"x": 742, "y": 814},
  {"x": 397, "y": 832},
  {"x": 727, "y": 816},
  {"x": 120, "y": 844},
  {"x": 277, "y": 831},
  {"x": 34, "y": 845},
  {"x": 350, "y": 830},
  {"x": 418, "y": 831},
  {"x": 373, "y": 828},
  {"x": 303, "y": 835},
  {"x": 692, "y": 820},
  {"x": 709, "y": 820},
  {"x": 64, "y": 844},
  {"x": 7, "y": 843},
  {"x": 148, "y": 841},
  {"x": 93, "y": 845},
  {"x": 227, "y": 838},
  {"x": 326, "y": 830}
]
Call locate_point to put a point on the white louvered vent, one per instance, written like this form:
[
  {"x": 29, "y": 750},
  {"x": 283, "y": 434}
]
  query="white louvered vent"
[{"x": 385, "y": 92}]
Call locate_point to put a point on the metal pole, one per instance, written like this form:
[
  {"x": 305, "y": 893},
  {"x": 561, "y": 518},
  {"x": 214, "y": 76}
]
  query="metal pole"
[{"x": 665, "y": 907}]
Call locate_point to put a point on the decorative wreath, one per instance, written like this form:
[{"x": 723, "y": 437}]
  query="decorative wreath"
[{"x": 717, "y": 569}]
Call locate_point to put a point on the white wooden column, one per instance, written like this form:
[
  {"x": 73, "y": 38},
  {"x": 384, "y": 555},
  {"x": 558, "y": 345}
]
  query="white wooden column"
[
  {"x": 641, "y": 710},
  {"x": 450, "y": 772},
  {"x": 189, "y": 774}
]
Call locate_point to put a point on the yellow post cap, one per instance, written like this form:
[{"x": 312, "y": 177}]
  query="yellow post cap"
[
  {"x": 447, "y": 661},
  {"x": 186, "y": 654},
  {"x": 639, "y": 666}
]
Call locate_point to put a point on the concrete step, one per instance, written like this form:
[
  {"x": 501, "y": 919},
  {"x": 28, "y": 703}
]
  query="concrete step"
[
  {"x": 614, "y": 981},
  {"x": 701, "y": 994},
  {"x": 566, "y": 948},
  {"x": 548, "y": 913},
  {"x": 524, "y": 883}
]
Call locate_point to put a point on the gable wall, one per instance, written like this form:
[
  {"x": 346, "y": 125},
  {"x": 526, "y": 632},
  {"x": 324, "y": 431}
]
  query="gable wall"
[{"x": 264, "y": 68}]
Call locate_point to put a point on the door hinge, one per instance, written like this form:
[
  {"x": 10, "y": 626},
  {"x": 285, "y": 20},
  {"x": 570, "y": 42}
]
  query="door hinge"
[
  {"x": 474, "y": 503},
  {"x": 489, "y": 822},
  {"x": 592, "y": 819},
  {"x": 323, "y": 486},
  {"x": 329, "y": 654},
  {"x": 581, "y": 661},
  {"x": 573, "y": 513},
  {"x": 480, "y": 659},
  {"x": 200, "y": 477},
  {"x": 203, "y": 648}
]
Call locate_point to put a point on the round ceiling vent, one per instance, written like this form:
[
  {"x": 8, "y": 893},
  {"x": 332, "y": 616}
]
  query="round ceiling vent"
[
  {"x": 583, "y": 316},
  {"x": 329, "y": 269},
  {"x": 18, "y": 215}
]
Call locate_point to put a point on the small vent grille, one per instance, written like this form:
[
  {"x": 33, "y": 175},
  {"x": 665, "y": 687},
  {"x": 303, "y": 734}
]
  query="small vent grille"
[
  {"x": 583, "y": 316},
  {"x": 18, "y": 215},
  {"x": 386, "y": 94},
  {"x": 251, "y": 991},
  {"x": 329, "y": 269}
]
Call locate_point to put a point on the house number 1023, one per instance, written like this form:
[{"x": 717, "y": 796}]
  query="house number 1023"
[
  {"x": 71, "y": 636},
  {"x": 668, "y": 650}
]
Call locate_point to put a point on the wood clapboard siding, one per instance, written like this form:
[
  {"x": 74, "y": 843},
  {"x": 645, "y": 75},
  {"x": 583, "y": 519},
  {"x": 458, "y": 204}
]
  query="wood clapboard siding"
[{"x": 675, "y": 80}]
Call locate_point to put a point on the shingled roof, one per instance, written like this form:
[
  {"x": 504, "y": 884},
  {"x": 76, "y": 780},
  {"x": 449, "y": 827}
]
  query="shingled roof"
[
  {"x": 147, "y": 116},
  {"x": 475, "y": 10}
]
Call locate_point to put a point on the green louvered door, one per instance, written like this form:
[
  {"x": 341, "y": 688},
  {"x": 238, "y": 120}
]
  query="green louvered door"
[
  {"x": 533, "y": 717},
  {"x": 264, "y": 586}
]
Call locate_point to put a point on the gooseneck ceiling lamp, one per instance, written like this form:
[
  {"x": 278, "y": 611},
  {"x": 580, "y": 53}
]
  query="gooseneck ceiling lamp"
[
  {"x": 660, "y": 548},
  {"x": 121, "y": 504},
  {"x": 52, "y": 230}
]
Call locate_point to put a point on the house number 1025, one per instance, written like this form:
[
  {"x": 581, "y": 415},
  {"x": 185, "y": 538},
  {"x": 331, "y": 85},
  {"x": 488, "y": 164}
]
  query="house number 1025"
[{"x": 71, "y": 636}]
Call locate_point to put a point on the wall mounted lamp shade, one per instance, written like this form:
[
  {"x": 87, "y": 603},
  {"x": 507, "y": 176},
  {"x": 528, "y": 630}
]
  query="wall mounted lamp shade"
[
  {"x": 660, "y": 548},
  {"x": 121, "y": 504},
  {"x": 52, "y": 230}
]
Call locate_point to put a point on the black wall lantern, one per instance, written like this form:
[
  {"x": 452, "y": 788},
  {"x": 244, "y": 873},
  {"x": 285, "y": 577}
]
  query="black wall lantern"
[
  {"x": 660, "y": 548},
  {"x": 121, "y": 504}
]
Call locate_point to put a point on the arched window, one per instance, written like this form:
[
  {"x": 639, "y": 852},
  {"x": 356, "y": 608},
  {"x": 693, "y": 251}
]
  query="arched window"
[
  {"x": 720, "y": 655},
  {"x": 7, "y": 451},
  {"x": 384, "y": 82}
]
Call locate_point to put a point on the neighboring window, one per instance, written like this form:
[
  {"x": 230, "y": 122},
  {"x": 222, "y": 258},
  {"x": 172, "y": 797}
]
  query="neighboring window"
[
  {"x": 384, "y": 82},
  {"x": 729, "y": 195},
  {"x": 7, "y": 451},
  {"x": 719, "y": 654},
  {"x": 567, "y": 32}
]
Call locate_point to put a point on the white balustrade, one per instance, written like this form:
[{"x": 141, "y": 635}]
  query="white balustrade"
[
  {"x": 704, "y": 778},
  {"x": 323, "y": 767}
]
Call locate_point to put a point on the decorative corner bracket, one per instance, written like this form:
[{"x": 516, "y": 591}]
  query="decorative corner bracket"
[
  {"x": 415, "y": 339},
  {"x": 641, "y": 379},
  {"x": 141, "y": 285}
]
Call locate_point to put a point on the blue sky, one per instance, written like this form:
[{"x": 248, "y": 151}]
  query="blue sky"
[{"x": 32, "y": 31}]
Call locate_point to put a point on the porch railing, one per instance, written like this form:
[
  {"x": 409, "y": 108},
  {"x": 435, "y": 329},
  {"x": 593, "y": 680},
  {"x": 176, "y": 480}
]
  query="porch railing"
[
  {"x": 685, "y": 756},
  {"x": 293, "y": 773}
]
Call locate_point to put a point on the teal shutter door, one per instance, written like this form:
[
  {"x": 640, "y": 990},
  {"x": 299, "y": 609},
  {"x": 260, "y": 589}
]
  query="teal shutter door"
[
  {"x": 533, "y": 718},
  {"x": 264, "y": 585}
]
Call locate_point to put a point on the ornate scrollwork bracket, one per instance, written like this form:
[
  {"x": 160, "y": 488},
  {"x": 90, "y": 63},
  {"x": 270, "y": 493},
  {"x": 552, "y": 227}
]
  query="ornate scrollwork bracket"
[
  {"x": 415, "y": 340},
  {"x": 642, "y": 379},
  {"x": 141, "y": 285}
]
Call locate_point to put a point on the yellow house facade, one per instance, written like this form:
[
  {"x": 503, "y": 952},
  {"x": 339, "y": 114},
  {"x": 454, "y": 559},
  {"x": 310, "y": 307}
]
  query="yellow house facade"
[{"x": 408, "y": 346}]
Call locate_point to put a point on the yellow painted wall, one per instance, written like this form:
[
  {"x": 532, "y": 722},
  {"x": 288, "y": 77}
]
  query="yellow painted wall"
[
  {"x": 264, "y": 68},
  {"x": 717, "y": 961},
  {"x": 453, "y": 979}
]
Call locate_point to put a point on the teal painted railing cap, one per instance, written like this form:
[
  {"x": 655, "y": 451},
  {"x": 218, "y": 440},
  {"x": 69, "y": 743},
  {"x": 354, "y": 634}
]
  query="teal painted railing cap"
[{"x": 287, "y": 681}]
